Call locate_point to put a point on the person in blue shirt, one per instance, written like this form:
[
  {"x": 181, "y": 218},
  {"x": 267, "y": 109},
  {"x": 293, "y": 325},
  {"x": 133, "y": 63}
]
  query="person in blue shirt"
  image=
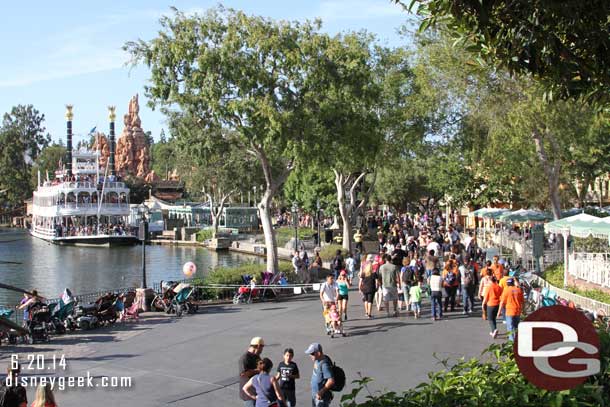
[{"x": 322, "y": 379}]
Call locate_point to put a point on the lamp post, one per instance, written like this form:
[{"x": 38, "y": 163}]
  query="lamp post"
[
  {"x": 295, "y": 221},
  {"x": 318, "y": 221},
  {"x": 143, "y": 231}
]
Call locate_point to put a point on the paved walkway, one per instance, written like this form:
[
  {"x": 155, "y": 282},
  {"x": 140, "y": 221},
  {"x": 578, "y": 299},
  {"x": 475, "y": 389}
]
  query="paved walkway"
[{"x": 192, "y": 361}]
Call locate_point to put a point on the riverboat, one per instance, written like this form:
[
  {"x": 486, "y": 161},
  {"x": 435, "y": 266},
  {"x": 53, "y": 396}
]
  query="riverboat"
[{"x": 85, "y": 204}]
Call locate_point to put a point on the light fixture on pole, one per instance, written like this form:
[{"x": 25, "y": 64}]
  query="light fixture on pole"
[
  {"x": 143, "y": 211},
  {"x": 295, "y": 221}
]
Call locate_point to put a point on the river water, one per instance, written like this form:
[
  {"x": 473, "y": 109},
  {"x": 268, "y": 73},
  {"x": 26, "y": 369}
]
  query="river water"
[{"x": 51, "y": 268}]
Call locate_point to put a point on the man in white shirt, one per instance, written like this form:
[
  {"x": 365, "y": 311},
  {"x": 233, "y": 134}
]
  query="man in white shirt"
[{"x": 329, "y": 290}]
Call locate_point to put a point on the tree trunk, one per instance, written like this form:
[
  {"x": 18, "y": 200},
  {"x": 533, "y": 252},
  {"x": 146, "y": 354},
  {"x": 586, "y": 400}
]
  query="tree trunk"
[
  {"x": 582, "y": 192},
  {"x": 551, "y": 168},
  {"x": 264, "y": 208},
  {"x": 348, "y": 211}
]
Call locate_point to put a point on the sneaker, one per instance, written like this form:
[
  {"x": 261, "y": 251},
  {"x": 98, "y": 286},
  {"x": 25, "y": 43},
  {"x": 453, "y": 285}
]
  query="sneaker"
[
  {"x": 504, "y": 322},
  {"x": 464, "y": 312},
  {"x": 395, "y": 315},
  {"x": 494, "y": 334}
]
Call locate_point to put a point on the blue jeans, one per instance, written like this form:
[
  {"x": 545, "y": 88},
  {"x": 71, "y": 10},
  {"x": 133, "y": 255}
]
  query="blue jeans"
[
  {"x": 319, "y": 403},
  {"x": 512, "y": 322},
  {"x": 437, "y": 299},
  {"x": 249, "y": 403},
  {"x": 467, "y": 299}
]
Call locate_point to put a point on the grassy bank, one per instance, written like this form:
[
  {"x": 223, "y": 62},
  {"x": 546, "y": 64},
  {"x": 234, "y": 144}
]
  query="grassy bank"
[
  {"x": 284, "y": 234},
  {"x": 554, "y": 275}
]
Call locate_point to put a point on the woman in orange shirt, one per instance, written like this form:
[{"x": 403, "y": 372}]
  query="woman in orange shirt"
[
  {"x": 491, "y": 303},
  {"x": 485, "y": 283}
]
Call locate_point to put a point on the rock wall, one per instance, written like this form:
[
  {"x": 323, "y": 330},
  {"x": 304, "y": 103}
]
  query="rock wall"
[
  {"x": 132, "y": 154},
  {"x": 102, "y": 144}
]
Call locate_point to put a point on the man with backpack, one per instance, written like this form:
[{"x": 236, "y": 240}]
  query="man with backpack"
[
  {"x": 326, "y": 377},
  {"x": 450, "y": 282},
  {"x": 467, "y": 283}
]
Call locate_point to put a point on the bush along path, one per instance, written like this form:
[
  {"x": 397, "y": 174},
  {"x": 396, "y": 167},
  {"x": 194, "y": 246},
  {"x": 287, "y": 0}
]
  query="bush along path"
[{"x": 491, "y": 380}]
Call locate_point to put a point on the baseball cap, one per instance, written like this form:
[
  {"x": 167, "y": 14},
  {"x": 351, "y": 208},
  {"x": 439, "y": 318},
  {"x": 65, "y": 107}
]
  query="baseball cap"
[
  {"x": 313, "y": 348},
  {"x": 257, "y": 341}
]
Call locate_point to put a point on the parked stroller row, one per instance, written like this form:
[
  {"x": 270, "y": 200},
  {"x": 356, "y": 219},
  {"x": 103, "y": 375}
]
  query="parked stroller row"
[{"x": 44, "y": 320}]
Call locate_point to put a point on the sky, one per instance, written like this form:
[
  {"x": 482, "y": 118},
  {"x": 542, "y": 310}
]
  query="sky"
[{"x": 69, "y": 52}]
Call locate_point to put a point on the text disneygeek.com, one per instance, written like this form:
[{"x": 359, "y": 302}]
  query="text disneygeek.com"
[{"x": 72, "y": 382}]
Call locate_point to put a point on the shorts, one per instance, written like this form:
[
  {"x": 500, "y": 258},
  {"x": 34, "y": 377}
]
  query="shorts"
[
  {"x": 368, "y": 297},
  {"x": 342, "y": 297},
  {"x": 416, "y": 306},
  {"x": 390, "y": 294},
  {"x": 401, "y": 296}
]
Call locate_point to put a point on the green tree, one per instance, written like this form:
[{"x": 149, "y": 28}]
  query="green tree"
[
  {"x": 163, "y": 156},
  {"x": 47, "y": 162},
  {"x": 565, "y": 44},
  {"x": 22, "y": 137},
  {"x": 258, "y": 78}
]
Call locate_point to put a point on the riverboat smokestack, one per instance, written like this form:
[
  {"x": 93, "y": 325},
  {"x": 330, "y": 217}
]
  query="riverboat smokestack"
[
  {"x": 111, "y": 117},
  {"x": 69, "y": 117}
]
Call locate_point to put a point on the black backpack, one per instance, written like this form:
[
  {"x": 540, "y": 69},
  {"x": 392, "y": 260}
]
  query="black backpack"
[{"x": 338, "y": 376}]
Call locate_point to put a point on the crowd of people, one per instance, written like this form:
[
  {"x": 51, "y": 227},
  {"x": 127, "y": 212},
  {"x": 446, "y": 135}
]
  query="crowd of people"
[{"x": 417, "y": 258}]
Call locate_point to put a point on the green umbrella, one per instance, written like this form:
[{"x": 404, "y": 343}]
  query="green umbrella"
[
  {"x": 523, "y": 215},
  {"x": 581, "y": 225},
  {"x": 496, "y": 214}
]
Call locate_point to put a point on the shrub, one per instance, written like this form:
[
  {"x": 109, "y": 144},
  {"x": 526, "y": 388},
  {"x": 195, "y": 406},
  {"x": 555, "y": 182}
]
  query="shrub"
[
  {"x": 205, "y": 234},
  {"x": 554, "y": 275},
  {"x": 491, "y": 380}
]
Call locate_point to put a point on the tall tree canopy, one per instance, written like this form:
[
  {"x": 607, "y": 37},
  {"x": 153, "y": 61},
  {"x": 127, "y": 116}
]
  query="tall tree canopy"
[
  {"x": 262, "y": 80},
  {"x": 566, "y": 44},
  {"x": 22, "y": 137}
]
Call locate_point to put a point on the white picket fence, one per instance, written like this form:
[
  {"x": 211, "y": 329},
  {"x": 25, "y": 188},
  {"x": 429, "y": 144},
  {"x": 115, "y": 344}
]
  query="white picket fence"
[
  {"x": 583, "y": 302},
  {"x": 590, "y": 267}
]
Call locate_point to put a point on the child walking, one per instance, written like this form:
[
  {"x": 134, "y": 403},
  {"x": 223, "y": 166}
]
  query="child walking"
[{"x": 415, "y": 299}]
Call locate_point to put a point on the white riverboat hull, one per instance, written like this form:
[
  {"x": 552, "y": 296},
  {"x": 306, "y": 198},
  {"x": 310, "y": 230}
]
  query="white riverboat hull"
[{"x": 90, "y": 241}]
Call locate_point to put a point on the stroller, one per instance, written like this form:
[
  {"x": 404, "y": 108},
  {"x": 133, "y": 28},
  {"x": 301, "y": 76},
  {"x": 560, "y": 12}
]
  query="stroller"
[
  {"x": 131, "y": 307},
  {"x": 163, "y": 301},
  {"x": 38, "y": 323},
  {"x": 8, "y": 329},
  {"x": 181, "y": 302},
  {"x": 246, "y": 291},
  {"x": 61, "y": 313}
]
